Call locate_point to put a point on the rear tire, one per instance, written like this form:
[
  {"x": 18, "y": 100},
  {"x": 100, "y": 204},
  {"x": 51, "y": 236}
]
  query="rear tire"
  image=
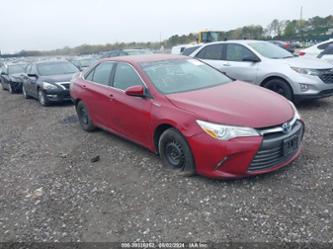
[
  {"x": 3, "y": 87},
  {"x": 84, "y": 117},
  {"x": 281, "y": 87},
  {"x": 175, "y": 153}
]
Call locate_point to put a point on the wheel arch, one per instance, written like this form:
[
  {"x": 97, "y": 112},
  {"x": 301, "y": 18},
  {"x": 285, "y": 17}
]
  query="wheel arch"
[{"x": 159, "y": 131}]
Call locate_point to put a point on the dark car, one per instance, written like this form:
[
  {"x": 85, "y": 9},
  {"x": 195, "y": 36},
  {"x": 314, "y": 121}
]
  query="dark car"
[
  {"x": 12, "y": 76},
  {"x": 283, "y": 44},
  {"x": 83, "y": 62},
  {"x": 48, "y": 81}
]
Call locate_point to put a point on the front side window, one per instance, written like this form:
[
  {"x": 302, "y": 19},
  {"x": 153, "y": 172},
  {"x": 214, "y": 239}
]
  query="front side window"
[
  {"x": 237, "y": 52},
  {"x": 125, "y": 76},
  {"x": 173, "y": 76},
  {"x": 102, "y": 73},
  {"x": 56, "y": 68},
  {"x": 211, "y": 52}
]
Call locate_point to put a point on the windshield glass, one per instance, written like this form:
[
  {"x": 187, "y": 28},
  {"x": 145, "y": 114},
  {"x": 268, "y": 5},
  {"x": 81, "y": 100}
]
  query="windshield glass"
[
  {"x": 173, "y": 76},
  {"x": 270, "y": 50},
  {"x": 18, "y": 68},
  {"x": 56, "y": 68}
]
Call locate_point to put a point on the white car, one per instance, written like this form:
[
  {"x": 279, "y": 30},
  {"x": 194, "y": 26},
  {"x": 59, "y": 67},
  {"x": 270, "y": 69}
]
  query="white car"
[
  {"x": 267, "y": 65},
  {"x": 327, "y": 54},
  {"x": 315, "y": 50}
]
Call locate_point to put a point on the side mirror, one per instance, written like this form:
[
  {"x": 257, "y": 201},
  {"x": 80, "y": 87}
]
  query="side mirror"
[
  {"x": 32, "y": 75},
  {"x": 4, "y": 73},
  {"x": 251, "y": 59},
  {"x": 137, "y": 91}
]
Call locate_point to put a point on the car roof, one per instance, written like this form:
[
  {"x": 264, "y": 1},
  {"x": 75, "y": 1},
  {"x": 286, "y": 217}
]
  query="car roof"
[{"x": 145, "y": 58}]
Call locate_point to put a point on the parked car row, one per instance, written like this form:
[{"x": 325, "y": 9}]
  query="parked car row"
[{"x": 208, "y": 113}]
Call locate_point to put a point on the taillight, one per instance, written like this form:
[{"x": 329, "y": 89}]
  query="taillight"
[
  {"x": 301, "y": 53},
  {"x": 286, "y": 45}
]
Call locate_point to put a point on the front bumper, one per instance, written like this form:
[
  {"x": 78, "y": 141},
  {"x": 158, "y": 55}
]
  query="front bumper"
[
  {"x": 243, "y": 157},
  {"x": 321, "y": 94},
  {"x": 57, "y": 95}
]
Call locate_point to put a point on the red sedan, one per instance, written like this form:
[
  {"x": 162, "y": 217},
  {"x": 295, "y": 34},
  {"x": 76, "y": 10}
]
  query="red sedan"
[{"x": 197, "y": 119}]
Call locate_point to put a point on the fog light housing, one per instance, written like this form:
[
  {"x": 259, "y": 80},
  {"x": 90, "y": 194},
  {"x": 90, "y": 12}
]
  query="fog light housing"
[{"x": 304, "y": 87}]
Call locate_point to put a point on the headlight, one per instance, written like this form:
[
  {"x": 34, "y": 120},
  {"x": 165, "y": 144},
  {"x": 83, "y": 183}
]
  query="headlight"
[
  {"x": 48, "y": 86},
  {"x": 308, "y": 71},
  {"x": 226, "y": 132}
]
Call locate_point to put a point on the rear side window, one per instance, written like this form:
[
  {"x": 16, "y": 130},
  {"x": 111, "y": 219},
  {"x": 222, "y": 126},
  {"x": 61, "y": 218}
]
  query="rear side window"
[
  {"x": 211, "y": 52},
  {"x": 237, "y": 52},
  {"x": 325, "y": 45},
  {"x": 125, "y": 76},
  {"x": 190, "y": 50},
  {"x": 102, "y": 73}
]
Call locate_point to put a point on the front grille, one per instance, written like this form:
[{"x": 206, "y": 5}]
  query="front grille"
[
  {"x": 66, "y": 85},
  {"x": 271, "y": 152},
  {"x": 327, "y": 78}
]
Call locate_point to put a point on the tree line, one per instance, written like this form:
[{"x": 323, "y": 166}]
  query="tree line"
[{"x": 315, "y": 28}]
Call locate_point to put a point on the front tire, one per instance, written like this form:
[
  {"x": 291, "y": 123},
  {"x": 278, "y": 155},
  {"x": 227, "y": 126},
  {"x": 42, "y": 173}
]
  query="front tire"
[
  {"x": 175, "y": 153},
  {"x": 42, "y": 98},
  {"x": 84, "y": 117},
  {"x": 10, "y": 89},
  {"x": 25, "y": 94},
  {"x": 281, "y": 87}
]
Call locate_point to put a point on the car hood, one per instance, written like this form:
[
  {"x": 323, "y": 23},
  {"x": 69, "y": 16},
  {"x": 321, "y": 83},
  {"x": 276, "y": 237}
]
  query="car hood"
[
  {"x": 57, "y": 78},
  {"x": 303, "y": 62},
  {"x": 237, "y": 103}
]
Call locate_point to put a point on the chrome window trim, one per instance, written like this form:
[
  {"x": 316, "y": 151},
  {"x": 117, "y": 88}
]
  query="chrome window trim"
[{"x": 83, "y": 75}]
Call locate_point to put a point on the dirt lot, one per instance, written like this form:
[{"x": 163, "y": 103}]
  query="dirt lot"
[{"x": 51, "y": 191}]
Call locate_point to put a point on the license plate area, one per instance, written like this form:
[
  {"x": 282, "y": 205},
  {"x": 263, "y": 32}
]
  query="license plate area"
[{"x": 290, "y": 145}]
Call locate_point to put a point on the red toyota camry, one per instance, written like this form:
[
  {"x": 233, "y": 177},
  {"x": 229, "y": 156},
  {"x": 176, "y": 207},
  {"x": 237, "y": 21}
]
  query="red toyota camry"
[{"x": 197, "y": 119}]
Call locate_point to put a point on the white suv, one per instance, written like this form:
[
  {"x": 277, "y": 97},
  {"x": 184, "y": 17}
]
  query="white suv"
[
  {"x": 270, "y": 66},
  {"x": 315, "y": 50}
]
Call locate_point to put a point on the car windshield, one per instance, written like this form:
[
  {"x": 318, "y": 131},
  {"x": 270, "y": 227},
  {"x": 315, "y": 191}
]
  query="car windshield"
[
  {"x": 18, "y": 68},
  {"x": 56, "y": 68},
  {"x": 270, "y": 50},
  {"x": 182, "y": 75}
]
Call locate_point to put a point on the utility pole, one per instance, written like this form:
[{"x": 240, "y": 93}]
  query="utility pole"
[{"x": 301, "y": 24}]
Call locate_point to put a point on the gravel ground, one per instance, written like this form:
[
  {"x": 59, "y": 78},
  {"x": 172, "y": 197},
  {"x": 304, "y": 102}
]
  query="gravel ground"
[{"x": 51, "y": 191}]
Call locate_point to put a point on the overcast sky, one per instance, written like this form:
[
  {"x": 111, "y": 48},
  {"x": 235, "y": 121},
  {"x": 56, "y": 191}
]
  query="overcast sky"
[{"x": 50, "y": 24}]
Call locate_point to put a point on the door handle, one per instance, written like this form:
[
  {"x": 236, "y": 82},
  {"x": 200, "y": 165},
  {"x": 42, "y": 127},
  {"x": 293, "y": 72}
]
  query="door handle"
[
  {"x": 83, "y": 86},
  {"x": 226, "y": 65}
]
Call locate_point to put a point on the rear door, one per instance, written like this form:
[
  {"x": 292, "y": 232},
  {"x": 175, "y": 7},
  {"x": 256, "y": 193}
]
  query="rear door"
[
  {"x": 130, "y": 115},
  {"x": 96, "y": 93}
]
